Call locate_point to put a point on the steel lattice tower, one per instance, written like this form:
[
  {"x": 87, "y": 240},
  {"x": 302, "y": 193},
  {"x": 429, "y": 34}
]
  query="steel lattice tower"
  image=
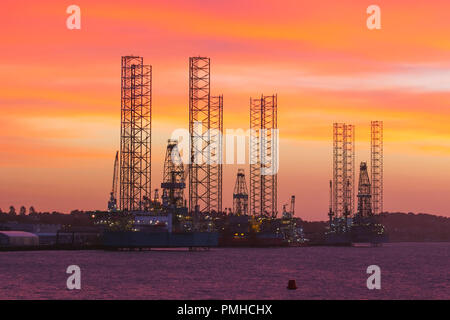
[
  {"x": 338, "y": 169},
  {"x": 349, "y": 169},
  {"x": 240, "y": 194},
  {"x": 263, "y": 156},
  {"x": 135, "y": 138},
  {"x": 376, "y": 164},
  {"x": 343, "y": 169},
  {"x": 216, "y": 153},
  {"x": 205, "y": 124},
  {"x": 173, "y": 179},
  {"x": 364, "y": 196},
  {"x": 255, "y": 168}
]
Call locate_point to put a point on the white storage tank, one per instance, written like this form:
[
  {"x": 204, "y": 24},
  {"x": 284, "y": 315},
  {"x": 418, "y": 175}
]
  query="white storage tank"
[{"x": 18, "y": 239}]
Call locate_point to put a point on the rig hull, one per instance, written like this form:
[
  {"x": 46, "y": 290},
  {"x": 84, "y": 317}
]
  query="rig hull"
[
  {"x": 363, "y": 231},
  {"x": 258, "y": 240},
  {"x": 129, "y": 239},
  {"x": 368, "y": 234},
  {"x": 338, "y": 239}
]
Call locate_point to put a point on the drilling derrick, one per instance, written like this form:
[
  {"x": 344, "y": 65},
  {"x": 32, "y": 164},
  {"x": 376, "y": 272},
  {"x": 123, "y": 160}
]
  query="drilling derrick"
[
  {"x": 112, "y": 203},
  {"x": 263, "y": 156},
  {"x": 156, "y": 197},
  {"x": 343, "y": 169},
  {"x": 376, "y": 164},
  {"x": 364, "y": 195},
  {"x": 240, "y": 194},
  {"x": 205, "y": 129},
  {"x": 173, "y": 178},
  {"x": 135, "y": 139}
]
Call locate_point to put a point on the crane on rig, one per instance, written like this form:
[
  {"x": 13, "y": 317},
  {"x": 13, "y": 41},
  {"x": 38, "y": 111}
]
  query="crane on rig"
[
  {"x": 330, "y": 208},
  {"x": 112, "y": 203},
  {"x": 292, "y": 206}
]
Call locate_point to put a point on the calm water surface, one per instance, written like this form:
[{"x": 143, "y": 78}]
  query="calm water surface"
[{"x": 409, "y": 271}]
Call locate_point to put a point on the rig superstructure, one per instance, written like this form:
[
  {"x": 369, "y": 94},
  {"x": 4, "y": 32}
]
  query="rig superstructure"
[
  {"x": 254, "y": 210},
  {"x": 348, "y": 224}
]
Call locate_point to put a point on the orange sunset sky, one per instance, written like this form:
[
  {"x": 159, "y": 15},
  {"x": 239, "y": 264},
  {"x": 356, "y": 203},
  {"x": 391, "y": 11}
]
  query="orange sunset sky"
[{"x": 60, "y": 91}]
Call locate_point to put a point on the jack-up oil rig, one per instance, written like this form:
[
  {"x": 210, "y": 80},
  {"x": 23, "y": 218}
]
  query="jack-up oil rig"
[
  {"x": 347, "y": 226},
  {"x": 135, "y": 219}
]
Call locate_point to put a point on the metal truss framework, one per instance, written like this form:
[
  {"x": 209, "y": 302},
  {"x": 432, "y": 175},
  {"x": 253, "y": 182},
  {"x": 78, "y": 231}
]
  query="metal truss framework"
[
  {"x": 349, "y": 169},
  {"x": 216, "y": 152},
  {"x": 135, "y": 138},
  {"x": 240, "y": 194},
  {"x": 376, "y": 164},
  {"x": 263, "y": 156},
  {"x": 343, "y": 169},
  {"x": 205, "y": 129},
  {"x": 173, "y": 178},
  {"x": 364, "y": 196}
]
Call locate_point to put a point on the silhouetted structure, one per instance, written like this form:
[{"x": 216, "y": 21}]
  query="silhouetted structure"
[
  {"x": 205, "y": 128},
  {"x": 173, "y": 179},
  {"x": 135, "y": 139},
  {"x": 112, "y": 203},
  {"x": 376, "y": 165},
  {"x": 330, "y": 204},
  {"x": 240, "y": 194},
  {"x": 292, "y": 210},
  {"x": 364, "y": 195},
  {"x": 263, "y": 156},
  {"x": 216, "y": 152},
  {"x": 343, "y": 169}
]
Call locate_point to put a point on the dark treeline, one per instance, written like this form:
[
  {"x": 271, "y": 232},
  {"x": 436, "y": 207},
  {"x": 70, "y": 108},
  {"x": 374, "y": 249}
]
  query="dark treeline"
[
  {"x": 400, "y": 227},
  {"x": 416, "y": 227},
  {"x": 75, "y": 218}
]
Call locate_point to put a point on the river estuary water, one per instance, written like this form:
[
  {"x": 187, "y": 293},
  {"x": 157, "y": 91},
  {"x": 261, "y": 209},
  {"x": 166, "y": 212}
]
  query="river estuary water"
[{"x": 408, "y": 271}]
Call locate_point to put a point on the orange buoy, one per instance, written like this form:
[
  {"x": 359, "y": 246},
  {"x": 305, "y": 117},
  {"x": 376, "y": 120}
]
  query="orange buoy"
[{"x": 292, "y": 285}]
